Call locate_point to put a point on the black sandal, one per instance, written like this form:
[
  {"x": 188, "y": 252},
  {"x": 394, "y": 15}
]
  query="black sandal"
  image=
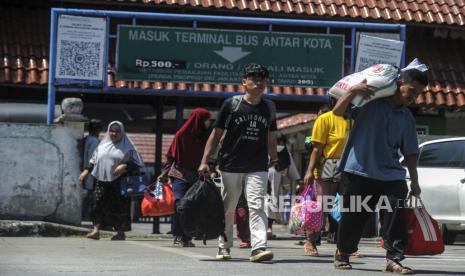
[
  {"x": 119, "y": 237},
  {"x": 188, "y": 243},
  {"x": 341, "y": 261},
  {"x": 178, "y": 242}
]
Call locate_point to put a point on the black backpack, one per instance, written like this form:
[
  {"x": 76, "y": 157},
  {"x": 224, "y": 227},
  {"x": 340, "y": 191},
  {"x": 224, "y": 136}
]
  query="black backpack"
[
  {"x": 236, "y": 102},
  {"x": 201, "y": 211}
]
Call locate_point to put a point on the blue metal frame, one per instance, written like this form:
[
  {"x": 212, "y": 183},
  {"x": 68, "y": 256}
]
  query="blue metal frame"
[
  {"x": 51, "y": 73},
  {"x": 354, "y": 26}
]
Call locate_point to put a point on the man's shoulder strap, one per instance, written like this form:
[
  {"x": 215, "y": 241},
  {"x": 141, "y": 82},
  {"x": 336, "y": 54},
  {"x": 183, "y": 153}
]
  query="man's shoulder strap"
[
  {"x": 236, "y": 102},
  {"x": 234, "y": 106},
  {"x": 271, "y": 108}
]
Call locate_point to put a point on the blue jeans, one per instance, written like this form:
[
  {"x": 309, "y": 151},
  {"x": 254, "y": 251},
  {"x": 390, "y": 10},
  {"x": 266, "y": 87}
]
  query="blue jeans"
[{"x": 179, "y": 188}]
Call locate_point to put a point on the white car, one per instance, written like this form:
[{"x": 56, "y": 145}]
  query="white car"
[{"x": 441, "y": 173}]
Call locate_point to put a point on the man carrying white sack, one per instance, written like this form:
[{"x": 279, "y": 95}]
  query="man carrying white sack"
[{"x": 371, "y": 167}]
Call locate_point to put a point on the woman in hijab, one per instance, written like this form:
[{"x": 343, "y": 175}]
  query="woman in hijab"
[
  {"x": 113, "y": 157},
  {"x": 183, "y": 159}
]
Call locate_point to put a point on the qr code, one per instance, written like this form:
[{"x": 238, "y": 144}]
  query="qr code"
[{"x": 79, "y": 59}]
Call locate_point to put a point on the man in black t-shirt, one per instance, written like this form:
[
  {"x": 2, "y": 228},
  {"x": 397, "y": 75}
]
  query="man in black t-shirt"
[{"x": 249, "y": 148}]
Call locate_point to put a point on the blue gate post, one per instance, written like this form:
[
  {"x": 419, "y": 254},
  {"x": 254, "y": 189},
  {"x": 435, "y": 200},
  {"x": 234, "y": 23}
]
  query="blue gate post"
[
  {"x": 352, "y": 50},
  {"x": 51, "y": 73},
  {"x": 403, "y": 37}
]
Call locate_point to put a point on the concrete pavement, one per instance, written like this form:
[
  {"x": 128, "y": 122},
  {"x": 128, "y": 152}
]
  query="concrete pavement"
[{"x": 149, "y": 255}]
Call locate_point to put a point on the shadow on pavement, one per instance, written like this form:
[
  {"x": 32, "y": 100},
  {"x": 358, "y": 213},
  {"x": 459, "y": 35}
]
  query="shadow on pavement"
[
  {"x": 233, "y": 260},
  {"x": 439, "y": 272},
  {"x": 299, "y": 261},
  {"x": 417, "y": 272}
]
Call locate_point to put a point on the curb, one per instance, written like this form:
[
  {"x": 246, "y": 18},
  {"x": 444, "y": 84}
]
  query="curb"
[{"x": 16, "y": 228}]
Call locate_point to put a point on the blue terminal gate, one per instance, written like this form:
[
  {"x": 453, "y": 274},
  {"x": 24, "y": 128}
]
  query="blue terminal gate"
[{"x": 100, "y": 85}]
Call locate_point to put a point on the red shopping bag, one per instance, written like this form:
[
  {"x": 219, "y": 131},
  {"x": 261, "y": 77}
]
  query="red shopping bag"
[
  {"x": 158, "y": 207},
  {"x": 423, "y": 232}
]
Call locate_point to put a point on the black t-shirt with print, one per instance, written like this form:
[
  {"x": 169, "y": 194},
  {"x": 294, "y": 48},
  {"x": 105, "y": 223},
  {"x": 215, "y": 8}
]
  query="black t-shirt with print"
[{"x": 245, "y": 146}]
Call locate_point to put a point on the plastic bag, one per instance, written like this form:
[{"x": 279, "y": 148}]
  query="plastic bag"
[
  {"x": 153, "y": 207},
  {"x": 307, "y": 215},
  {"x": 336, "y": 210}
]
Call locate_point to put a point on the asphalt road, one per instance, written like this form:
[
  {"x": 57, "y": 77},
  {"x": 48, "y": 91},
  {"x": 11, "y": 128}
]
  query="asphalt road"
[{"x": 150, "y": 255}]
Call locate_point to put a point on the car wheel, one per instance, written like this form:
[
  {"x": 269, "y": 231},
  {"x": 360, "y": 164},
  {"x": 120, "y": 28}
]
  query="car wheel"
[{"x": 448, "y": 236}]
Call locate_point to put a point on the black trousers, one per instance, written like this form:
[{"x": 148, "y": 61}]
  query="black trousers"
[
  {"x": 392, "y": 221},
  {"x": 110, "y": 209},
  {"x": 180, "y": 188}
]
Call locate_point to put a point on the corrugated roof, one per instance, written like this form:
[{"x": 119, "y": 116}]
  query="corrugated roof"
[
  {"x": 24, "y": 60},
  {"x": 295, "y": 120},
  {"x": 447, "y": 12},
  {"x": 145, "y": 144}
]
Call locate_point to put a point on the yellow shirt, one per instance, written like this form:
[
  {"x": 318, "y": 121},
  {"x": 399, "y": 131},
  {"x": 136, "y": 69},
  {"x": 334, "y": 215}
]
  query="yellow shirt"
[{"x": 331, "y": 131}]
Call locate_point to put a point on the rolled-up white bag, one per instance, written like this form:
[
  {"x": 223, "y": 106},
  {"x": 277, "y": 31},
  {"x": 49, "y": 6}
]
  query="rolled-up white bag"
[{"x": 381, "y": 76}]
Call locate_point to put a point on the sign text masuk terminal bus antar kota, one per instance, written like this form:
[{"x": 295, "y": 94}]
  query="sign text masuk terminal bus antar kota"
[{"x": 218, "y": 56}]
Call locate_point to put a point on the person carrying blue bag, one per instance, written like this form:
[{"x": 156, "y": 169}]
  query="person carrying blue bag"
[{"x": 115, "y": 156}]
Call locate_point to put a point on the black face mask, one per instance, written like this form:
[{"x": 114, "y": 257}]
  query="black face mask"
[{"x": 208, "y": 130}]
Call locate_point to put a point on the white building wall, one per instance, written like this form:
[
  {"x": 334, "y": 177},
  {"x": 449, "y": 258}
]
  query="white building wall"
[{"x": 39, "y": 170}]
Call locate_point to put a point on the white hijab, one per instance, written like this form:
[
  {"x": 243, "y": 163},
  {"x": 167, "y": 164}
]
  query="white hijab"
[{"x": 108, "y": 155}]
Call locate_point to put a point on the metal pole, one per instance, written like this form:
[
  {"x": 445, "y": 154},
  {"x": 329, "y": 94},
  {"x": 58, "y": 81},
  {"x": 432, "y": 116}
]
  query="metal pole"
[
  {"x": 179, "y": 112},
  {"x": 158, "y": 149},
  {"x": 51, "y": 75},
  {"x": 107, "y": 52},
  {"x": 230, "y": 19},
  {"x": 403, "y": 37},
  {"x": 352, "y": 51},
  {"x": 159, "y": 135}
]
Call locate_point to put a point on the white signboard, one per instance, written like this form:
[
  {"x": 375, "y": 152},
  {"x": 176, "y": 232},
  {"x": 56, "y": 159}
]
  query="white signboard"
[
  {"x": 80, "y": 48},
  {"x": 374, "y": 50},
  {"x": 392, "y": 36}
]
